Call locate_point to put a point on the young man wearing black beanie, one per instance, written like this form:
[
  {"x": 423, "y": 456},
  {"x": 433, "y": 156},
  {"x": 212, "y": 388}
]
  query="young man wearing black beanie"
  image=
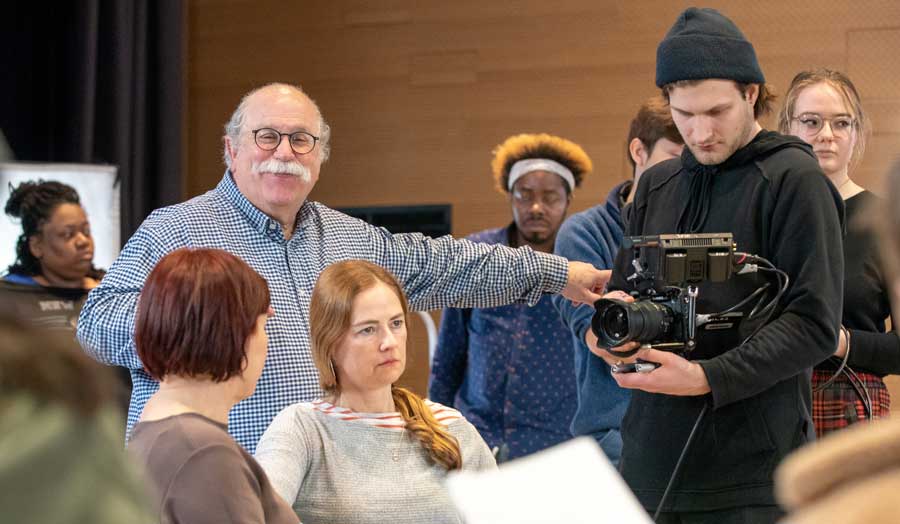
[{"x": 750, "y": 395}]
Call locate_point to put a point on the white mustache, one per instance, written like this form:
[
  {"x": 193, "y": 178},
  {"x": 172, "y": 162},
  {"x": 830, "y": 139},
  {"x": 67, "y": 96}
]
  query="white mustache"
[{"x": 287, "y": 168}]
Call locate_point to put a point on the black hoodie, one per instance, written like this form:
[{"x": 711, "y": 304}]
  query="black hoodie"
[{"x": 772, "y": 195}]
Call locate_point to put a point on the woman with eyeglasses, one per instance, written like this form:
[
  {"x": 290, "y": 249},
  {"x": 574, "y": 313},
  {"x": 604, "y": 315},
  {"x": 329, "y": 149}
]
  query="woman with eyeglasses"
[{"x": 823, "y": 108}]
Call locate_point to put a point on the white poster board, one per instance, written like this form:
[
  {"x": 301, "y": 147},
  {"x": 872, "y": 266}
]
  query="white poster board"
[{"x": 99, "y": 193}]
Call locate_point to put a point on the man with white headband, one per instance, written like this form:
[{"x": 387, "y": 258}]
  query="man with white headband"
[
  {"x": 275, "y": 144},
  {"x": 509, "y": 369}
]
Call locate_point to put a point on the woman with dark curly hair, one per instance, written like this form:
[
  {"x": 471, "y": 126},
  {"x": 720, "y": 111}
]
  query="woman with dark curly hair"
[
  {"x": 54, "y": 270},
  {"x": 56, "y": 248}
]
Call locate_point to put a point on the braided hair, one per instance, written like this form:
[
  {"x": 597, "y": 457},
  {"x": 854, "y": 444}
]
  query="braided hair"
[{"x": 33, "y": 203}]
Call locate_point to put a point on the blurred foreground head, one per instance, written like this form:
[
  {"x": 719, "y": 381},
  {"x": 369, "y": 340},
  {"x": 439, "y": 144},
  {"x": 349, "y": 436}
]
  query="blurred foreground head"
[{"x": 61, "y": 454}]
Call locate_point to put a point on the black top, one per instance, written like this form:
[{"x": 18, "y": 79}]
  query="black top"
[
  {"x": 772, "y": 195},
  {"x": 57, "y": 309},
  {"x": 866, "y": 298},
  {"x": 43, "y": 307}
]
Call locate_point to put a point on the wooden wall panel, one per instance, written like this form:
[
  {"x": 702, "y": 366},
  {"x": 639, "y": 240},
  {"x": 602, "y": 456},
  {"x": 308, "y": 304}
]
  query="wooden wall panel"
[{"x": 419, "y": 92}]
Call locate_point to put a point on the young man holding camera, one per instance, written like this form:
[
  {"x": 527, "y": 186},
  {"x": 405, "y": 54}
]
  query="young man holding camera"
[{"x": 745, "y": 400}]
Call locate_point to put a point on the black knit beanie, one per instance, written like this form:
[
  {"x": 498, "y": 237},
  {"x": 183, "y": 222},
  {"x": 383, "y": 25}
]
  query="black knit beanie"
[{"x": 703, "y": 44}]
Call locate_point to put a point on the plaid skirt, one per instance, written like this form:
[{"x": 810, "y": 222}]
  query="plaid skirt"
[{"x": 838, "y": 405}]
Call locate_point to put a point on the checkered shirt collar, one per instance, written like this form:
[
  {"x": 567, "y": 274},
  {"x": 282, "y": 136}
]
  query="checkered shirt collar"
[{"x": 260, "y": 221}]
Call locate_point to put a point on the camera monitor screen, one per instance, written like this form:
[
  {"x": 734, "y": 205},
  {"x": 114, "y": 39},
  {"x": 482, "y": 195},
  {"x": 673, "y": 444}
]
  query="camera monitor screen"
[{"x": 99, "y": 192}]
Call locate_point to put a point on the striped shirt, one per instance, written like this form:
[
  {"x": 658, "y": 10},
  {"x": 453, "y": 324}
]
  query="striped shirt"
[
  {"x": 435, "y": 273},
  {"x": 392, "y": 420}
]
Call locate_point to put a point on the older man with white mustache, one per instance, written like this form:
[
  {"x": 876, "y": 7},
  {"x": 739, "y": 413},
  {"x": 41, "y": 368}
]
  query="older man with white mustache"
[{"x": 275, "y": 144}]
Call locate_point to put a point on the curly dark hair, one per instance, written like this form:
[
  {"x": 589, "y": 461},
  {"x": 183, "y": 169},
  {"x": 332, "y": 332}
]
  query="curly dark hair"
[
  {"x": 34, "y": 203},
  {"x": 542, "y": 145}
]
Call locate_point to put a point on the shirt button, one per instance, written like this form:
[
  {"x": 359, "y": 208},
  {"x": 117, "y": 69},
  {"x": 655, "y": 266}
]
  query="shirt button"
[{"x": 272, "y": 226}]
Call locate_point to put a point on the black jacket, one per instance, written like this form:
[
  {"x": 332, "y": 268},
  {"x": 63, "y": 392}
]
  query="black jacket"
[{"x": 772, "y": 195}]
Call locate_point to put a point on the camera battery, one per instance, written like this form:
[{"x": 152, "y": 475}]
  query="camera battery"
[{"x": 719, "y": 266}]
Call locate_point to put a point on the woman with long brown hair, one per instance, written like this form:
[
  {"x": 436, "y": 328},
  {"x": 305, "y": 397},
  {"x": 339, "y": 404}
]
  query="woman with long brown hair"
[{"x": 368, "y": 451}]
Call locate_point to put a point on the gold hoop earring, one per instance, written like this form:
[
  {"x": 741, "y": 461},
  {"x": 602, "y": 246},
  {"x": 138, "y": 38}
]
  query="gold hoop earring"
[{"x": 333, "y": 374}]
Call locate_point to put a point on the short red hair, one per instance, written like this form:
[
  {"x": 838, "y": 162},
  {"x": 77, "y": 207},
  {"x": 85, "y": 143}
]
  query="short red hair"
[{"x": 196, "y": 311}]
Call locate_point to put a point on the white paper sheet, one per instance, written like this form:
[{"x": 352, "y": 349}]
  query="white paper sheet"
[{"x": 571, "y": 483}]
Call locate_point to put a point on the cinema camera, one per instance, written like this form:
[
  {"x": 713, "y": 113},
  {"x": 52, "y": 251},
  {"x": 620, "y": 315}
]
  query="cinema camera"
[{"x": 667, "y": 269}]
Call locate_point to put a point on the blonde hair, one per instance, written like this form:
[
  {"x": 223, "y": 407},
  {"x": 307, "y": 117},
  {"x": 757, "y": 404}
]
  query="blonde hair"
[
  {"x": 524, "y": 146},
  {"x": 845, "y": 88},
  {"x": 330, "y": 313}
]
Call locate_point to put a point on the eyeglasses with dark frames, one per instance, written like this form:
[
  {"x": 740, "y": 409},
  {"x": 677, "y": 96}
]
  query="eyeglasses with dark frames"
[{"x": 269, "y": 139}]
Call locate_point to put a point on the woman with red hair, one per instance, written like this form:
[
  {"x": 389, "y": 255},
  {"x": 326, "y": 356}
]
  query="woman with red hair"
[{"x": 200, "y": 331}]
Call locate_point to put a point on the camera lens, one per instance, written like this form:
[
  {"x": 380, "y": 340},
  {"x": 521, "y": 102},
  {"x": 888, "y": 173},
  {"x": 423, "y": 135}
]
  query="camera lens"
[{"x": 617, "y": 322}]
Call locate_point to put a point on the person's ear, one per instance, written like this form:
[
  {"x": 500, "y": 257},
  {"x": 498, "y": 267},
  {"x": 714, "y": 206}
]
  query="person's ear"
[
  {"x": 231, "y": 147},
  {"x": 36, "y": 246},
  {"x": 752, "y": 94},
  {"x": 638, "y": 152}
]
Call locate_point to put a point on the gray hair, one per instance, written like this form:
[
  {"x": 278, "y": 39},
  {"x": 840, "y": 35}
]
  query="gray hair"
[{"x": 236, "y": 122}]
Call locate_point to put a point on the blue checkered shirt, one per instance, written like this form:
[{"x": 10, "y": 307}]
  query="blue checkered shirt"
[{"x": 435, "y": 273}]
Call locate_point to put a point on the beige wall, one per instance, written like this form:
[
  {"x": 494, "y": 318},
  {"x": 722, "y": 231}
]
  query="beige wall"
[{"x": 419, "y": 92}]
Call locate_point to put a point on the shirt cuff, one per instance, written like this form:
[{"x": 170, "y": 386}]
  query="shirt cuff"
[
  {"x": 554, "y": 272},
  {"x": 718, "y": 380}
]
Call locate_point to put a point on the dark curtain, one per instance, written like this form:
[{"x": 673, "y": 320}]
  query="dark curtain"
[{"x": 99, "y": 82}]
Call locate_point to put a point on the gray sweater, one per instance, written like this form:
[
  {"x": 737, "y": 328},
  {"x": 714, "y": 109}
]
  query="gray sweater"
[{"x": 338, "y": 466}]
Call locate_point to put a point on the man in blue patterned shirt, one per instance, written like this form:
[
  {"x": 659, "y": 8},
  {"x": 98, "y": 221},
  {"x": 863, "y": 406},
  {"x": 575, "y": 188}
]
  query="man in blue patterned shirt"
[
  {"x": 275, "y": 144},
  {"x": 509, "y": 369}
]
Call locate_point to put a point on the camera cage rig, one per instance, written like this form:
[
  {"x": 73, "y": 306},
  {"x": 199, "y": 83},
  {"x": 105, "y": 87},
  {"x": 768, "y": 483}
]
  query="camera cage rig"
[
  {"x": 669, "y": 267},
  {"x": 678, "y": 262}
]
